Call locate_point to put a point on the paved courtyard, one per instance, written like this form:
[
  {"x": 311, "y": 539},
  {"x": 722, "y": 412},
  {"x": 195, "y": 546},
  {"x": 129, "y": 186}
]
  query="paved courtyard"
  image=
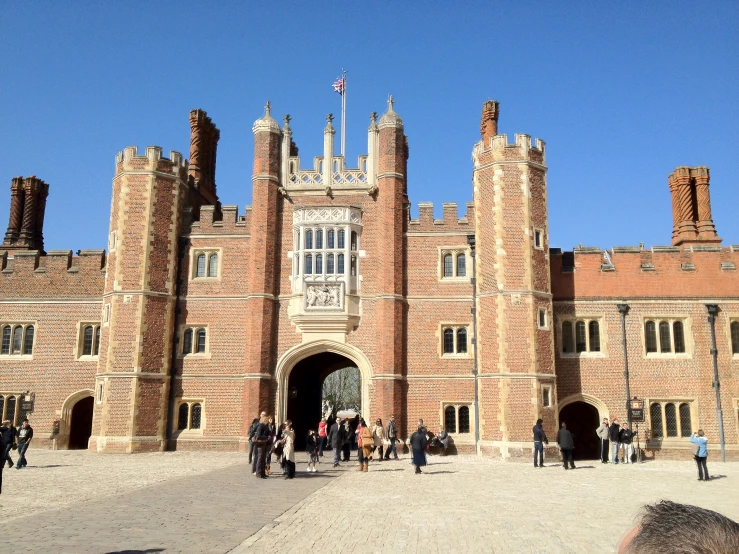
[{"x": 209, "y": 502}]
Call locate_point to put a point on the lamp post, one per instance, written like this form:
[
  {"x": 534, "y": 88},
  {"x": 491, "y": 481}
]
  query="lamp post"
[
  {"x": 623, "y": 309},
  {"x": 712, "y": 310},
  {"x": 471, "y": 243}
]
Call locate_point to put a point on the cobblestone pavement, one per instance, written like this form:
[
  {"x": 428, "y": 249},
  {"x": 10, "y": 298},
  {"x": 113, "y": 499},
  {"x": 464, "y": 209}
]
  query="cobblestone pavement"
[
  {"x": 75, "y": 502},
  {"x": 464, "y": 504}
]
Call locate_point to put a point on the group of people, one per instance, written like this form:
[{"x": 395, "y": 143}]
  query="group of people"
[
  {"x": 14, "y": 439},
  {"x": 267, "y": 440},
  {"x": 621, "y": 439}
]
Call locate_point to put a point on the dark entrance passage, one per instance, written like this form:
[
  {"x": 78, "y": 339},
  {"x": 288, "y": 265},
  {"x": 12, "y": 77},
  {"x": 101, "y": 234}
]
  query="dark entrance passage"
[
  {"x": 582, "y": 420},
  {"x": 81, "y": 424},
  {"x": 304, "y": 391}
]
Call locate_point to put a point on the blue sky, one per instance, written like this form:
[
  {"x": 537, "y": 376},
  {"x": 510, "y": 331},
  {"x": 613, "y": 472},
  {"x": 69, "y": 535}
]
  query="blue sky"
[{"x": 622, "y": 95}]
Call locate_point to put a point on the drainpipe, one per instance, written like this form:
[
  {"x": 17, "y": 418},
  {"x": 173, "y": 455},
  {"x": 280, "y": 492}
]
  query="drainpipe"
[
  {"x": 471, "y": 243},
  {"x": 623, "y": 309},
  {"x": 712, "y": 310},
  {"x": 182, "y": 244}
]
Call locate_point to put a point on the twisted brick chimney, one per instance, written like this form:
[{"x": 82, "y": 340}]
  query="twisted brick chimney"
[
  {"x": 691, "y": 207},
  {"x": 489, "y": 120},
  {"x": 204, "y": 136},
  {"x": 27, "y": 208}
]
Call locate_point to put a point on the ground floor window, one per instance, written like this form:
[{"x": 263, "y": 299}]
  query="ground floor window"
[
  {"x": 457, "y": 418},
  {"x": 671, "y": 419},
  {"x": 189, "y": 415}
]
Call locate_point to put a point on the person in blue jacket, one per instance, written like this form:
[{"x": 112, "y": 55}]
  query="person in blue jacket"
[{"x": 700, "y": 439}]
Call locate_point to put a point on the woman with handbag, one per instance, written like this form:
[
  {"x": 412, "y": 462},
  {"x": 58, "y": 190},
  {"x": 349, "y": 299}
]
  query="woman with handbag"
[
  {"x": 378, "y": 437},
  {"x": 288, "y": 436}
]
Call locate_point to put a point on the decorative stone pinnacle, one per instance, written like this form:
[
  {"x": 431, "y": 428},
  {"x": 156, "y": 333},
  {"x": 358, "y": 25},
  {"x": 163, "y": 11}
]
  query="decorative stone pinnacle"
[
  {"x": 267, "y": 107},
  {"x": 373, "y": 117},
  {"x": 287, "y": 119},
  {"x": 390, "y": 103},
  {"x": 330, "y": 118}
]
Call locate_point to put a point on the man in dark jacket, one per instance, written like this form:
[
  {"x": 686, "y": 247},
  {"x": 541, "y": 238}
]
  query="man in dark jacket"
[
  {"x": 540, "y": 439},
  {"x": 566, "y": 444},
  {"x": 613, "y": 432},
  {"x": 261, "y": 436},
  {"x": 7, "y": 438},
  {"x": 392, "y": 435},
  {"x": 625, "y": 437},
  {"x": 336, "y": 440}
]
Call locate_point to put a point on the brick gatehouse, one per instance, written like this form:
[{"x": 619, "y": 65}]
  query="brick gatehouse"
[{"x": 199, "y": 315}]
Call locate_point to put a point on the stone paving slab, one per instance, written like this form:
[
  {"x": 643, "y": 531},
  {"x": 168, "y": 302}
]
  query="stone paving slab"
[
  {"x": 465, "y": 504},
  {"x": 207, "y": 512}
]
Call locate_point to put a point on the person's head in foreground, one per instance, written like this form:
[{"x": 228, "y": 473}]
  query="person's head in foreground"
[{"x": 681, "y": 529}]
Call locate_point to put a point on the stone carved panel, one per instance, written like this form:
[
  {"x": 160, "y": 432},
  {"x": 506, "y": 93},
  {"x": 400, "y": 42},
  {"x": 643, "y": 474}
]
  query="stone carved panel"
[
  {"x": 324, "y": 296},
  {"x": 329, "y": 214}
]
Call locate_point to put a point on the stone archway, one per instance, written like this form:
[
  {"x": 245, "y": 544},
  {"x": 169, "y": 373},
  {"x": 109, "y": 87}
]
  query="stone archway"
[
  {"x": 62, "y": 440},
  {"x": 583, "y": 414},
  {"x": 292, "y": 357},
  {"x": 80, "y": 427}
]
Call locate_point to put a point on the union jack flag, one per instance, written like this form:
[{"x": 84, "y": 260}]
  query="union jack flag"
[{"x": 340, "y": 85}]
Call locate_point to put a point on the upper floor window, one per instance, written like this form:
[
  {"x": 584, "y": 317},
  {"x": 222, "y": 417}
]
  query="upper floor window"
[
  {"x": 194, "y": 340},
  {"x": 89, "y": 340},
  {"x": 539, "y": 239},
  {"x": 734, "y": 328},
  {"x": 664, "y": 336},
  {"x": 580, "y": 336},
  {"x": 454, "y": 340},
  {"x": 206, "y": 263},
  {"x": 542, "y": 319},
  {"x": 17, "y": 339},
  {"x": 453, "y": 263}
]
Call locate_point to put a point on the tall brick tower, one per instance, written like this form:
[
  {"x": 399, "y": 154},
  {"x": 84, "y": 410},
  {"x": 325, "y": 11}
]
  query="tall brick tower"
[
  {"x": 138, "y": 302},
  {"x": 264, "y": 252},
  {"x": 514, "y": 311},
  {"x": 27, "y": 207},
  {"x": 392, "y": 215}
]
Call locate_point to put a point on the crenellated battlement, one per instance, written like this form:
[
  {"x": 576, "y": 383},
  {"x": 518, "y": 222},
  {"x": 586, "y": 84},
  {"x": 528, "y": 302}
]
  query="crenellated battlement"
[
  {"x": 632, "y": 271},
  {"x": 498, "y": 149},
  {"x": 229, "y": 222},
  {"x": 58, "y": 274},
  {"x": 129, "y": 160},
  {"x": 450, "y": 218}
]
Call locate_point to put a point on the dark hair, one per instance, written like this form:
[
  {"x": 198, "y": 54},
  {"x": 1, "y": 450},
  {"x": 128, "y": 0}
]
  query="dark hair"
[
  {"x": 671, "y": 527},
  {"x": 255, "y": 420},
  {"x": 539, "y": 421},
  {"x": 26, "y": 421},
  {"x": 362, "y": 423}
]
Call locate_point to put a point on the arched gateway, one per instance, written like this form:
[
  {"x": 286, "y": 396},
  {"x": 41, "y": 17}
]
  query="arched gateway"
[
  {"x": 300, "y": 374},
  {"x": 583, "y": 413}
]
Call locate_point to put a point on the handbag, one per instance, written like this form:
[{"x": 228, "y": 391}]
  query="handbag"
[{"x": 696, "y": 448}]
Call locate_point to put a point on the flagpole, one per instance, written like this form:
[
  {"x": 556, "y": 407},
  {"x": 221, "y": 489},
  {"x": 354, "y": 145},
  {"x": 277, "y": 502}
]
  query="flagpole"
[{"x": 343, "y": 116}]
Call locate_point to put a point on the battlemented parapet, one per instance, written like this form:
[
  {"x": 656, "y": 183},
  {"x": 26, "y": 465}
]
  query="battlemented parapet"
[
  {"x": 229, "y": 223},
  {"x": 449, "y": 221},
  {"x": 700, "y": 271}
]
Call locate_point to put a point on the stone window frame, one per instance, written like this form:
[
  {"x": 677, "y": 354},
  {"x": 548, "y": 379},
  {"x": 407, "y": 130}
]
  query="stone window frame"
[
  {"x": 539, "y": 312},
  {"x": 113, "y": 241},
  {"x": 16, "y": 418},
  {"x": 539, "y": 245},
  {"x": 194, "y": 327},
  {"x": 11, "y": 355},
  {"x": 676, "y": 401},
  {"x": 106, "y": 313},
  {"x": 190, "y": 402},
  {"x": 671, "y": 319},
  {"x": 444, "y": 404},
  {"x": 455, "y": 326},
  {"x": 455, "y": 252},
  {"x": 79, "y": 345},
  {"x": 550, "y": 390},
  {"x": 195, "y": 252},
  {"x": 733, "y": 320},
  {"x": 100, "y": 391},
  {"x": 587, "y": 353}
]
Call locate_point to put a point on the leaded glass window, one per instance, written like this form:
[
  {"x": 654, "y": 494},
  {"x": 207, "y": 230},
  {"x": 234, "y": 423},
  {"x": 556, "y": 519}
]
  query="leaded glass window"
[
  {"x": 448, "y": 265},
  {"x": 581, "y": 344},
  {"x": 308, "y": 239},
  {"x": 183, "y": 417},
  {"x": 650, "y": 336},
  {"x": 461, "y": 265},
  {"x": 685, "y": 424},
  {"x": 17, "y": 339},
  {"x": 354, "y": 240},
  {"x": 594, "y": 330},
  {"x": 330, "y": 264},
  {"x": 187, "y": 342},
  {"x": 671, "y": 420},
  {"x": 679, "y": 337},
  {"x": 200, "y": 266},
  {"x": 28, "y": 340},
  {"x": 655, "y": 413},
  {"x": 354, "y": 266},
  {"x": 340, "y": 264},
  {"x": 96, "y": 347},
  {"x": 200, "y": 348},
  {"x": 10, "y": 409},
  {"x": 734, "y": 337},
  {"x": 450, "y": 419},
  {"x": 340, "y": 239},
  {"x": 319, "y": 240},
  {"x": 87, "y": 341},
  {"x": 6, "y": 340},
  {"x": 213, "y": 265},
  {"x": 330, "y": 238},
  {"x": 319, "y": 264},
  {"x": 461, "y": 341},
  {"x": 464, "y": 419},
  {"x": 567, "y": 346},
  {"x": 308, "y": 264},
  {"x": 448, "y": 341},
  {"x": 195, "y": 416},
  {"x": 664, "y": 337}
]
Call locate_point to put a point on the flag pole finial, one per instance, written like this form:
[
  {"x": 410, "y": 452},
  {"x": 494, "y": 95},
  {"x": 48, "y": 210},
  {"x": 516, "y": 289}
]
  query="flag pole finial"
[
  {"x": 267, "y": 107},
  {"x": 390, "y": 103}
]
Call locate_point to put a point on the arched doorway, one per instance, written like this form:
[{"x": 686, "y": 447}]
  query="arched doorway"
[
  {"x": 80, "y": 427},
  {"x": 304, "y": 390},
  {"x": 582, "y": 420}
]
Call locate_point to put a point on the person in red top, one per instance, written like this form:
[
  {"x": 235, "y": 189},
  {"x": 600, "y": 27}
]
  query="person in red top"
[{"x": 321, "y": 436}]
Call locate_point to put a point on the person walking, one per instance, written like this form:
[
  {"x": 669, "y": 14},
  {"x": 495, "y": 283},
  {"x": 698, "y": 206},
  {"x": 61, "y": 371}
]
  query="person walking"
[
  {"x": 346, "y": 447},
  {"x": 261, "y": 437},
  {"x": 625, "y": 438},
  {"x": 378, "y": 437},
  {"x": 311, "y": 448},
  {"x": 288, "y": 436},
  {"x": 566, "y": 444},
  {"x": 392, "y": 435},
  {"x": 602, "y": 433},
  {"x": 366, "y": 443},
  {"x": 613, "y": 432},
  {"x": 7, "y": 437},
  {"x": 540, "y": 439},
  {"x": 336, "y": 440},
  {"x": 321, "y": 436},
  {"x": 701, "y": 454},
  {"x": 418, "y": 448},
  {"x": 25, "y": 434}
]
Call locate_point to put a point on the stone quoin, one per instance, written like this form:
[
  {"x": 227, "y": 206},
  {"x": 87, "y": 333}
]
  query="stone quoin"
[{"x": 200, "y": 316}]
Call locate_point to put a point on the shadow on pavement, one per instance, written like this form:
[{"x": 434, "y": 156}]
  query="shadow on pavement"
[
  {"x": 714, "y": 477},
  {"x": 147, "y": 551}
]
